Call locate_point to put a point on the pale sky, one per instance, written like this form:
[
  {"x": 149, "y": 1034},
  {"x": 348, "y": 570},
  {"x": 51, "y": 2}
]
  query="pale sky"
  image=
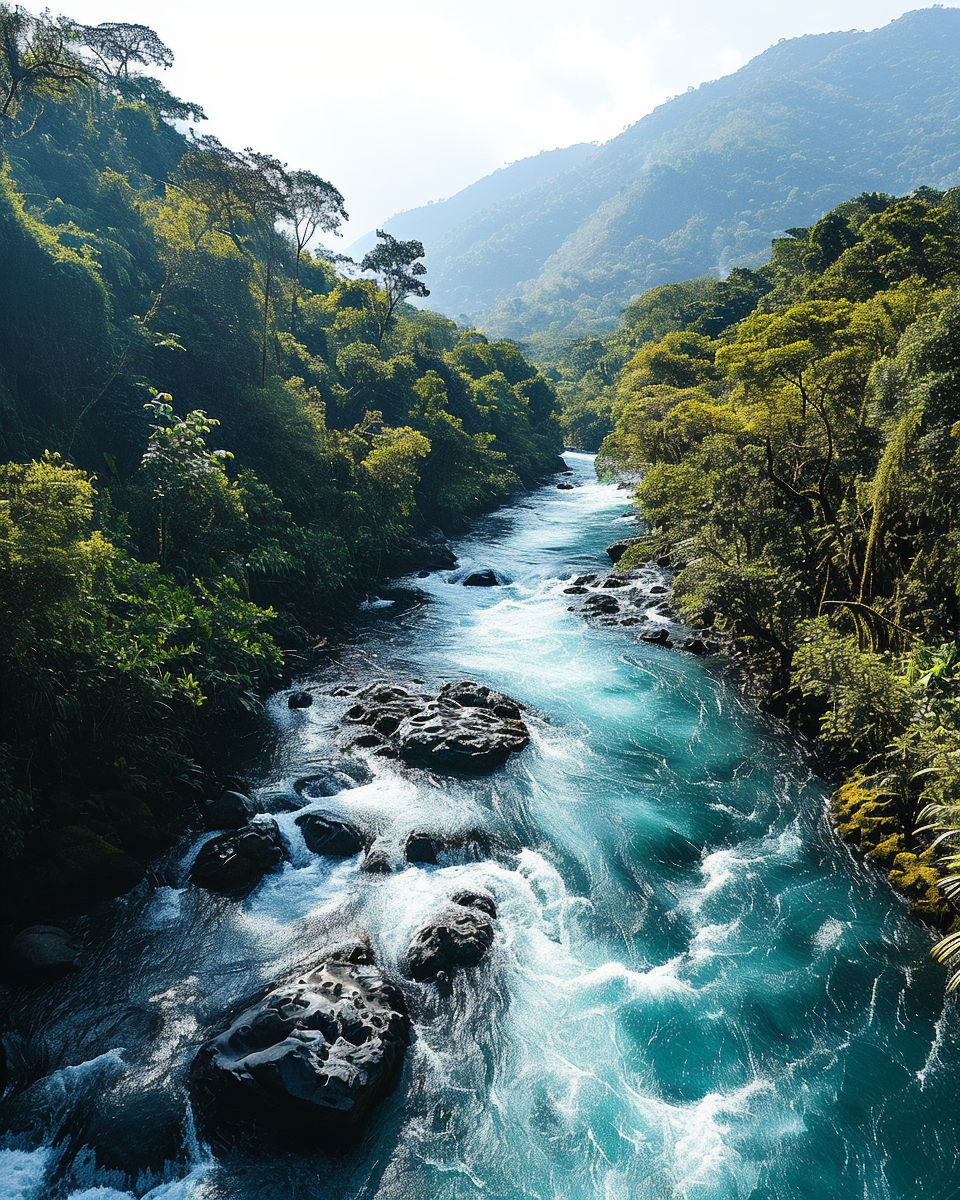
[{"x": 398, "y": 104}]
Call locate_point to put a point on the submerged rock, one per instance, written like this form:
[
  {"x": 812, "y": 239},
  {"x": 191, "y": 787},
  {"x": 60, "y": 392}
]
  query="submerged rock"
[
  {"x": 327, "y": 836},
  {"x": 459, "y": 936},
  {"x": 43, "y": 952},
  {"x": 236, "y": 861},
  {"x": 425, "y": 848},
  {"x": 138, "y": 1133},
  {"x": 306, "y": 1064},
  {"x": 478, "y": 898},
  {"x": 377, "y": 861},
  {"x": 299, "y": 700},
  {"x": 485, "y": 578},
  {"x": 338, "y": 777},
  {"x": 468, "y": 727},
  {"x": 565, "y": 487},
  {"x": 600, "y": 604}
]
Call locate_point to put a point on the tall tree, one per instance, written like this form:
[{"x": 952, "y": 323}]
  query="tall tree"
[
  {"x": 245, "y": 193},
  {"x": 312, "y": 205},
  {"x": 36, "y": 59},
  {"x": 117, "y": 44},
  {"x": 396, "y": 265},
  {"x": 116, "y": 47}
]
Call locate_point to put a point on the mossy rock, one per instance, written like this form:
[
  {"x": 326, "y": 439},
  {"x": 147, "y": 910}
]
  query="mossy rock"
[
  {"x": 83, "y": 868},
  {"x": 887, "y": 850},
  {"x": 918, "y": 879},
  {"x": 865, "y": 819}
]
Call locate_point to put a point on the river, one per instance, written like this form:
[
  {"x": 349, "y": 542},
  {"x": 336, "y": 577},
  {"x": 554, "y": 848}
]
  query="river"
[{"x": 695, "y": 992}]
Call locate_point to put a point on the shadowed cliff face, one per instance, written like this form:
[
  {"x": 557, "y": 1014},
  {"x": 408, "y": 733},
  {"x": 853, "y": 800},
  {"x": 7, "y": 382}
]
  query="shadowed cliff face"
[
  {"x": 686, "y": 988},
  {"x": 704, "y": 182}
]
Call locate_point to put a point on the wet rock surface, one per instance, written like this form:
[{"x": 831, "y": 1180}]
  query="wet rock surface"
[
  {"x": 467, "y": 727},
  {"x": 469, "y": 845},
  {"x": 335, "y": 777},
  {"x": 458, "y": 937},
  {"x": 306, "y": 1064},
  {"x": 327, "y": 836},
  {"x": 299, "y": 700},
  {"x": 486, "y": 578},
  {"x": 237, "y": 861},
  {"x": 42, "y": 952},
  {"x": 230, "y": 810},
  {"x": 617, "y": 550}
]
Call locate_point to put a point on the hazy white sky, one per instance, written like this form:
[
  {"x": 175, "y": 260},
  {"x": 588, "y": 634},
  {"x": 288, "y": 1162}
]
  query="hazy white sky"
[{"x": 401, "y": 103}]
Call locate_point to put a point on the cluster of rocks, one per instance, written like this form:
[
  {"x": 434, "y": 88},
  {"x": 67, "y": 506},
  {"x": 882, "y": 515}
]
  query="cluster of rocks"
[
  {"x": 305, "y": 1064},
  {"x": 336, "y": 838},
  {"x": 467, "y": 727},
  {"x": 637, "y": 598}
]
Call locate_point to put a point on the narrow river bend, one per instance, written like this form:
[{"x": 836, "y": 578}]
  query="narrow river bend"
[{"x": 695, "y": 992}]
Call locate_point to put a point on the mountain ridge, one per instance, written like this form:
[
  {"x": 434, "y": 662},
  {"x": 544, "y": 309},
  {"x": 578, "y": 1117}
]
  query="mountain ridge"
[{"x": 703, "y": 182}]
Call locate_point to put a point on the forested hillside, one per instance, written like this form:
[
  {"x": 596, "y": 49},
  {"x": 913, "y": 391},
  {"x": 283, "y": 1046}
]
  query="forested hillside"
[
  {"x": 793, "y": 432},
  {"x": 704, "y": 182},
  {"x": 431, "y": 222},
  {"x": 214, "y": 437}
]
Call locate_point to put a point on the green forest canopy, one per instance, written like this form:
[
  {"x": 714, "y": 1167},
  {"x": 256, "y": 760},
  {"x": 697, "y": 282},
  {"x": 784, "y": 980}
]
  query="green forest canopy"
[
  {"x": 214, "y": 434},
  {"x": 794, "y": 435}
]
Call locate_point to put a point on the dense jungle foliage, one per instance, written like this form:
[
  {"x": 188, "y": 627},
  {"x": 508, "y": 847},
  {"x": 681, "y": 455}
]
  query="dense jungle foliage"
[
  {"x": 794, "y": 435},
  {"x": 215, "y": 434}
]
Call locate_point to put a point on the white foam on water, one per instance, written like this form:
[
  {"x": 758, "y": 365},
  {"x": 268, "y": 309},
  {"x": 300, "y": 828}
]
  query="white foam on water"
[
  {"x": 191, "y": 1187},
  {"x": 165, "y": 908},
  {"x": 706, "y": 1164},
  {"x": 613, "y": 985},
  {"x": 22, "y": 1173},
  {"x": 829, "y": 933},
  {"x": 710, "y": 941}
]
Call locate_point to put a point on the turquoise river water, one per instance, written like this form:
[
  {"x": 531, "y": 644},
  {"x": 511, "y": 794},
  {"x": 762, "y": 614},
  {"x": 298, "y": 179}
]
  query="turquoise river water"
[{"x": 695, "y": 992}]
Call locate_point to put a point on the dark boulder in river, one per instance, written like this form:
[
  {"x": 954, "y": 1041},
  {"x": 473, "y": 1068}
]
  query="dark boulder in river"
[
  {"x": 486, "y": 578},
  {"x": 600, "y": 604},
  {"x": 42, "y": 952},
  {"x": 476, "y": 898},
  {"x": 306, "y": 1064},
  {"x": 619, "y": 549},
  {"x": 299, "y": 700},
  {"x": 459, "y": 936},
  {"x": 467, "y": 728},
  {"x": 236, "y": 861},
  {"x": 231, "y": 810},
  {"x": 327, "y": 836}
]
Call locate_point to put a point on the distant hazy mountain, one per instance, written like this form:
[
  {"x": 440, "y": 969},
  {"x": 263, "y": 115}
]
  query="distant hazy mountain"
[
  {"x": 702, "y": 183},
  {"x": 430, "y": 222}
]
